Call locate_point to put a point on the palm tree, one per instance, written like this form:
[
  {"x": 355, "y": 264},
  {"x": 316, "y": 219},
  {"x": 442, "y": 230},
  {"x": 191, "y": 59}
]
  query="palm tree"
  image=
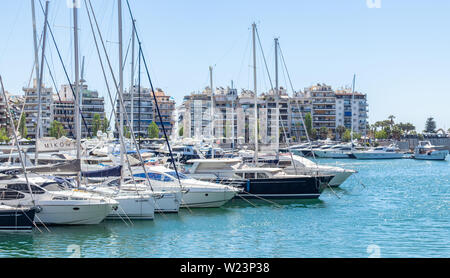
[{"x": 391, "y": 118}]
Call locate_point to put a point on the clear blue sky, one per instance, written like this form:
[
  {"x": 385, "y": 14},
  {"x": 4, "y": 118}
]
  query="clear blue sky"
[{"x": 400, "y": 52}]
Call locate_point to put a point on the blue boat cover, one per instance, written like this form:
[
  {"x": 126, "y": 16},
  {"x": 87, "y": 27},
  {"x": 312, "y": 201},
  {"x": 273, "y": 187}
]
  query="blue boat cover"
[{"x": 108, "y": 172}]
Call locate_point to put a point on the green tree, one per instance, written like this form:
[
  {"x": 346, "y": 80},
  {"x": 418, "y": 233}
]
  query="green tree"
[
  {"x": 153, "y": 130},
  {"x": 23, "y": 126},
  {"x": 381, "y": 135},
  {"x": 396, "y": 132},
  {"x": 4, "y": 137},
  {"x": 340, "y": 130},
  {"x": 391, "y": 120},
  {"x": 323, "y": 132},
  {"x": 105, "y": 125},
  {"x": 181, "y": 131},
  {"x": 96, "y": 124},
  {"x": 406, "y": 128},
  {"x": 308, "y": 124},
  {"x": 313, "y": 135},
  {"x": 430, "y": 125},
  {"x": 346, "y": 137},
  {"x": 126, "y": 133},
  {"x": 57, "y": 130}
]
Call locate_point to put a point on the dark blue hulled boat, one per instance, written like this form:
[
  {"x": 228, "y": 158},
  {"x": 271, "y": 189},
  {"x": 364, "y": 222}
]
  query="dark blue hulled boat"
[
  {"x": 16, "y": 219},
  {"x": 269, "y": 183},
  {"x": 256, "y": 182}
]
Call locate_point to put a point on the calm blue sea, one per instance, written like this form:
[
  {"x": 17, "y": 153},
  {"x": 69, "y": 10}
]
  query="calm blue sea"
[{"x": 397, "y": 208}]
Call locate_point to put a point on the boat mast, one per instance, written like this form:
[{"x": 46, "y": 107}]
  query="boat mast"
[
  {"x": 132, "y": 76},
  {"x": 39, "y": 88},
  {"x": 212, "y": 111},
  {"x": 122, "y": 145},
  {"x": 232, "y": 116},
  {"x": 19, "y": 150},
  {"x": 77, "y": 88},
  {"x": 277, "y": 108},
  {"x": 353, "y": 99},
  {"x": 256, "y": 94}
]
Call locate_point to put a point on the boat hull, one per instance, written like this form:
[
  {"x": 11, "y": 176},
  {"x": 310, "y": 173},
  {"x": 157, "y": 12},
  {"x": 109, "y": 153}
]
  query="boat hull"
[
  {"x": 54, "y": 214},
  {"x": 436, "y": 155},
  {"x": 206, "y": 199},
  {"x": 17, "y": 220},
  {"x": 167, "y": 203},
  {"x": 135, "y": 207},
  {"x": 285, "y": 188},
  {"x": 340, "y": 178},
  {"x": 330, "y": 154}
]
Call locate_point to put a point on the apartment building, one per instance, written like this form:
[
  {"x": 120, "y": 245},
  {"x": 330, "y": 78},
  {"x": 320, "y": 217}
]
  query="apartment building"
[
  {"x": 145, "y": 111},
  {"x": 352, "y": 110},
  {"x": 234, "y": 115},
  {"x": 91, "y": 104},
  {"x": 166, "y": 105},
  {"x": 31, "y": 109},
  {"x": 323, "y": 106}
]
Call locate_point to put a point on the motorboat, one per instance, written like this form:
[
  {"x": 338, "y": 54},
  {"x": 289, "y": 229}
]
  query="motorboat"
[
  {"x": 426, "y": 151},
  {"x": 55, "y": 205},
  {"x": 146, "y": 199},
  {"x": 387, "y": 152},
  {"x": 337, "y": 151},
  {"x": 259, "y": 182},
  {"x": 15, "y": 218},
  {"x": 195, "y": 193},
  {"x": 304, "y": 166}
]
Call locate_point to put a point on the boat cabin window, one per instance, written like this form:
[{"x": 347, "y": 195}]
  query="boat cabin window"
[
  {"x": 241, "y": 175},
  {"x": 249, "y": 175},
  {"x": 53, "y": 186},
  {"x": 174, "y": 174},
  {"x": 155, "y": 177},
  {"x": 7, "y": 194},
  {"x": 262, "y": 176},
  {"x": 284, "y": 163},
  {"x": 24, "y": 188},
  {"x": 379, "y": 149}
]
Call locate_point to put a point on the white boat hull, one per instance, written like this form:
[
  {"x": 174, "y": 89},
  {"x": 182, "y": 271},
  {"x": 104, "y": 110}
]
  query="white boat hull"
[
  {"x": 54, "y": 214},
  {"x": 167, "y": 202},
  {"x": 436, "y": 155},
  {"x": 206, "y": 199},
  {"x": 331, "y": 154},
  {"x": 134, "y": 207},
  {"x": 340, "y": 178}
]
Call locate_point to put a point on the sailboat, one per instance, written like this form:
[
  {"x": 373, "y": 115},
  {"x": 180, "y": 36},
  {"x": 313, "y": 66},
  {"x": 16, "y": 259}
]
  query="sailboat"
[{"x": 66, "y": 207}]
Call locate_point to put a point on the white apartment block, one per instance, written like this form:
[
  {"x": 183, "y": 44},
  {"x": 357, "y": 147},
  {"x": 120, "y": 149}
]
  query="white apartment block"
[{"x": 234, "y": 115}]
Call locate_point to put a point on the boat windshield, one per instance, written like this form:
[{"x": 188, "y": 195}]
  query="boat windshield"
[{"x": 174, "y": 174}]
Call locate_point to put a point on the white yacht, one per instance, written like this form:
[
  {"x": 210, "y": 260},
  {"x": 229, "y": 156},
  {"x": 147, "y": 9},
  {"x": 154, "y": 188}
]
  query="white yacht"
[
  {"x": 217, "y": 170},
  {"x": 390, "y": 152},
  {"x": 426, "y": 151},
  {"x": 140, "y": 198},
  {"x": 304, "y": 166},
  {"x": 259, "y": 182},
  {"x": 337, "y": 151},
  {"x": 56, "y": 205},
  {"x": 195, "y": 193}
]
